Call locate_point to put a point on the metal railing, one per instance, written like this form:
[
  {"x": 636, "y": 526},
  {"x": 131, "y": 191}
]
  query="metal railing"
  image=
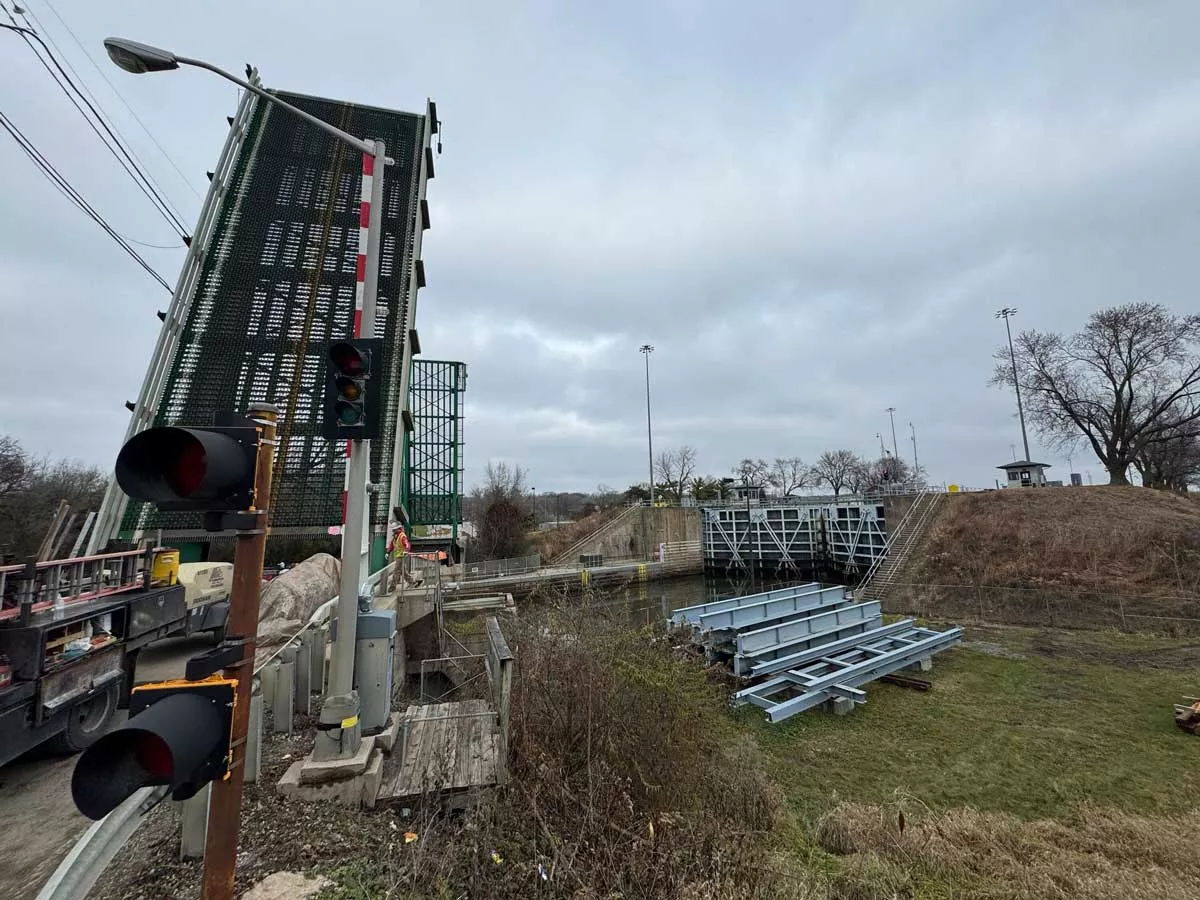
[{"x": 495, "y": 568}]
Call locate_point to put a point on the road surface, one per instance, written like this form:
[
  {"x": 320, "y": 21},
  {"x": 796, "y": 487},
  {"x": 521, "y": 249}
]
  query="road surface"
[{"x": 39, "y": 819}]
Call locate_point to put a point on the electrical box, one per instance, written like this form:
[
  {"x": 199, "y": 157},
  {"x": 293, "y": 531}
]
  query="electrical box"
[{"x": 376, "y": 646}]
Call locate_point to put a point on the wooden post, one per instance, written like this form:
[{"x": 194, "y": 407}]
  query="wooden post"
[
  {"x": 500, "y": 666},
  {"x": 225, "y": 809}
]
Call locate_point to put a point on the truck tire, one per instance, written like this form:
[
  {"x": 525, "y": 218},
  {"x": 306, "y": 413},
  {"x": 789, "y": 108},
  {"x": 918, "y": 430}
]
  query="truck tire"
[{"x": 88, "y": 721}]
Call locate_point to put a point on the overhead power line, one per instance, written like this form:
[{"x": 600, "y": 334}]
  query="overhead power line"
[
  {"x": 114, "y": 146},
  {"x": 100, "y": 70},
  {"x": 68, "y": 190}
]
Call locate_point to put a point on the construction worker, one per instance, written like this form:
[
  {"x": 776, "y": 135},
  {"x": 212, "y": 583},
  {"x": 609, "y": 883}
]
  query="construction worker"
[{"x": 397, "y": 548}]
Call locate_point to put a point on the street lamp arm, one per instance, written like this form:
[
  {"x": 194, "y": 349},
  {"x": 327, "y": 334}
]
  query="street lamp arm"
[{"x": 367, "y": 147}]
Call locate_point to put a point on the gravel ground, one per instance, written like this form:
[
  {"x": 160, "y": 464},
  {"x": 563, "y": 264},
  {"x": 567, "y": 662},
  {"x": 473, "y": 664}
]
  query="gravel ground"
[{"x": 277, "y": 834}]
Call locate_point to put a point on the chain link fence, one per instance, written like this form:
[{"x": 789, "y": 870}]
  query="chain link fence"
[{"x": 1048, "y": 607}]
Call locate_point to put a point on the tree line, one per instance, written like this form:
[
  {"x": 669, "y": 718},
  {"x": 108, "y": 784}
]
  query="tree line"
[
  {"x": 31, "y": 488},
  {"x": 1127, "y": 386},
  {"x": 675, "y": 476}
]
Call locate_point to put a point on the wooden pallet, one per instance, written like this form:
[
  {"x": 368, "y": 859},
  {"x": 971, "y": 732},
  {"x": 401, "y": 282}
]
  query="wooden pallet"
[{"x": 448, "y": 748}]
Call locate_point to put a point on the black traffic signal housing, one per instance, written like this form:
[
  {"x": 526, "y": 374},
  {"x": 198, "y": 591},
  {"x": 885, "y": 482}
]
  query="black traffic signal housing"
[
  {"x": 178, "y": 734},
  {"x": 191, "y": 469},
  {"x": 353, "y": 385}
]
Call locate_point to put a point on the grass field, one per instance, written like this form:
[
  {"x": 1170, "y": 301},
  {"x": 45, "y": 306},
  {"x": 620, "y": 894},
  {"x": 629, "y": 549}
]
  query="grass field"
[{"x": 1040, "y": 761}]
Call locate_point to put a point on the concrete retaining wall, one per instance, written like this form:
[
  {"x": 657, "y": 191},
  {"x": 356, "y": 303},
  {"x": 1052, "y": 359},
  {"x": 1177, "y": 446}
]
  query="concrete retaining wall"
[{"x": 640, "y": 534}]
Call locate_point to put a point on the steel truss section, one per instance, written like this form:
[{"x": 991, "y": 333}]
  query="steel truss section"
[
  {"x": 275, "y": 282},
  {"x": 765, "y": 611},
  {"x": 435, "y": 464},
  {"x": 840, "y": 674},
  {"x": 848, "y": 535},
  {"x": 692, "y": 614},
  {"x": 782, "y": 635}
]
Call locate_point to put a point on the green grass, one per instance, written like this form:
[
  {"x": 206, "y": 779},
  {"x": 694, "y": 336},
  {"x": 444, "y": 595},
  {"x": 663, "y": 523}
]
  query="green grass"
[{"x": 1083, "y": 717}]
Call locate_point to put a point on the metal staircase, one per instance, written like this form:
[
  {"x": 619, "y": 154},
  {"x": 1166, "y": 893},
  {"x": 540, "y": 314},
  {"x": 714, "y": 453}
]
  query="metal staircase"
[{"x": 882, "y": 575}]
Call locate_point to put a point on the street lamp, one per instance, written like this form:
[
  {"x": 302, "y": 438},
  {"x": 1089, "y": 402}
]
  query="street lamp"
[
  {"x": 1006, "y": 314},
  {"x": 891, "y": 411},
  {"x": 339, "y": 734},
  {"x": 646, "y": 350},
  {"x": 916, "y": 465}
]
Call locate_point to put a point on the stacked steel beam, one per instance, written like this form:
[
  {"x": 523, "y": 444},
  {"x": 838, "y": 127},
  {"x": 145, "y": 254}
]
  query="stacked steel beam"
[{"x": 802, "y": 646}]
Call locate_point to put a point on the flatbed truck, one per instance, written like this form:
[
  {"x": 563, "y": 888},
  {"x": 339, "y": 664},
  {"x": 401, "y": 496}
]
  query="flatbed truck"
[{"x": 70, "y": 634}]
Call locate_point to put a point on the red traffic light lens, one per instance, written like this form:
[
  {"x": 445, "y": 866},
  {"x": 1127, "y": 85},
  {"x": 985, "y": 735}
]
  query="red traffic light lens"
[
  {"x": 152, "y": 754},
  {"x": 348, "y": 359},
  {"x": 185, "y": 473}
]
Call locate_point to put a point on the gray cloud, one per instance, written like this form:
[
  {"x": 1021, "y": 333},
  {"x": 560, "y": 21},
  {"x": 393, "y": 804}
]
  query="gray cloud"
[{"x": 810, "y": 209}]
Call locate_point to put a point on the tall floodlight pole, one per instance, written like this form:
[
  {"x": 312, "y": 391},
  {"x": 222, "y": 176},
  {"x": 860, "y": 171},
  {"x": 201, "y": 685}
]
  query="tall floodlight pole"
[
  {"x": 891, "y": 411},
  {"x": 1006, "y": 314},
  {"x": 882, "y": 448},
  {"x": 339, "y": 733},
  {"x": 916, "y": 465},
  {"x": 646, "y": 350}
]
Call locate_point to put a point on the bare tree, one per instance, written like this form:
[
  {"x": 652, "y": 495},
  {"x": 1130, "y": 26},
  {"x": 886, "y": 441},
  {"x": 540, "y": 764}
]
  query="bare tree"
[
  {"x": 753, "y": 472},
  {"x": 505, "y": 513},
  {"x": 887, "y": 472},
  {"x": 836, "y": 468},
  {"x": 15, "y": 466},
  {"x": 1171, "y": 463},
  {"x": 790, "y": 474},
  {"x": 30, "y": 491},
  {"x": 1125, "y": 381},
  {"x": 673, "y": 470}
]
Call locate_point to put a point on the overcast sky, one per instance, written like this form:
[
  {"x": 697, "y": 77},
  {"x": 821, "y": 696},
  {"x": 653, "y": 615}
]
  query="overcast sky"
[{"x": 811, "y": 210}]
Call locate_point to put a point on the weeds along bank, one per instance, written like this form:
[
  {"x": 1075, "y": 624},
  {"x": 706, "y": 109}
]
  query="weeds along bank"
[
  {"x": 1039, "y": 765},
  {"x": 1086, "y": 557}
]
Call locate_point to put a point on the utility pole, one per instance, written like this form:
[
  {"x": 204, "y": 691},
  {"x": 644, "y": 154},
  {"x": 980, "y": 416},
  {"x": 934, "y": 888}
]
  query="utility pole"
[
  {"x": 225, "y": 802},
  {"x": 1005, "y": 314},
  {"x": 916, "y": 465},
  {"x": 646, "y": 350},
  {"x": 891, "y": 411}
]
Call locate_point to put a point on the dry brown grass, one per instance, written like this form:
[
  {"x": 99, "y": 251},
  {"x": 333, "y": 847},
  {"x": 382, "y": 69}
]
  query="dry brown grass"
[
  {"x": 1127, "y": 558},
  {"x": 1101, "y": 854},
  {"x": 553, "y": 542}
]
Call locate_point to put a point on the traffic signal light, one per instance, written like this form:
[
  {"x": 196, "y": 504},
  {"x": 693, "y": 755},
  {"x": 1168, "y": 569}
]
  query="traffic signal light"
[
  {"x": 178, "y": 734},
  {"x": 200, "y": 469},
  {"x": 351, "y": 397}
]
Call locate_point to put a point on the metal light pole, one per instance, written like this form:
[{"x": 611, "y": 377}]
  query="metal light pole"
[
  {"x": 891, "y": 411},
  {"x": 1006, "y": 314},
  {"x": 916, "y": 465},
  {"x": 882, "y": 448},
  {"x": 646, "y": 350},
  {"x": 339, "y": 733}
]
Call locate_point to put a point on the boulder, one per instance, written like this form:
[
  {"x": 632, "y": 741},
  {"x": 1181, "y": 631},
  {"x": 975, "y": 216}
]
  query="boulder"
[{"x": 289, "y": 600}]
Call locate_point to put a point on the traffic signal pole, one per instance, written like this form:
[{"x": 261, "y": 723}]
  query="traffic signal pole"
[
  {"x": 224, "y": 815},
  {"x": 339, "y": 733}
]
